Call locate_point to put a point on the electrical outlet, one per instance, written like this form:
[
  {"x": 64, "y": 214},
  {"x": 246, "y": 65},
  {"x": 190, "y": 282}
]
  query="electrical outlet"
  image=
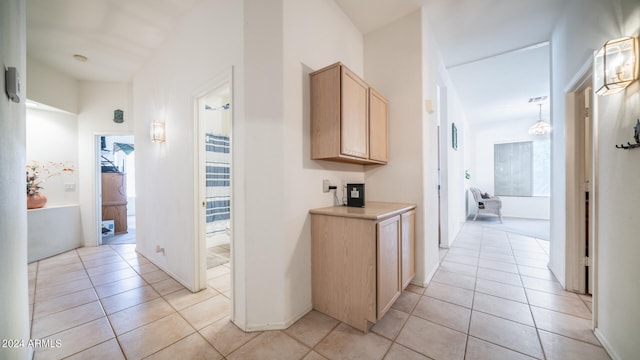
[
  {"x": 325, "y": 185},
  {"x": 69, "y": 187}
]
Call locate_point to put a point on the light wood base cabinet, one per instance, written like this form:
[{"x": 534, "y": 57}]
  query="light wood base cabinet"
[{"x": 361, "y": 264}]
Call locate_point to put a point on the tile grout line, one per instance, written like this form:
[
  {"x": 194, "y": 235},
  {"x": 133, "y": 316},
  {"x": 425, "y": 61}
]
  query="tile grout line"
[
  {"x": 175, "y": 310},
  {"x": 526, "y": 295},
  {"x": 103, "y": 310},
  {"x": 161, "y": 296}
]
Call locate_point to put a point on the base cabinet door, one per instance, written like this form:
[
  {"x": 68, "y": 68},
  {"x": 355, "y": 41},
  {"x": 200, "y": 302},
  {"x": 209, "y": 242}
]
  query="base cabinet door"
[
  {"x": 408, "y": 248},
  {"x": 388, "y": 272}
]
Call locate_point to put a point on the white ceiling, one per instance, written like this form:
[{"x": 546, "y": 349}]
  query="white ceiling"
[
  {"x": 118, "y": 36},
  {"x": 491, "y": 48}
]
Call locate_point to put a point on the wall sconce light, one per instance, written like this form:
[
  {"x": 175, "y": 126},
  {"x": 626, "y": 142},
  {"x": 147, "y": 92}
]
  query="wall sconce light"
[
  {"x": 158, "y": 132},
  {"x": 616, "y": 65}
]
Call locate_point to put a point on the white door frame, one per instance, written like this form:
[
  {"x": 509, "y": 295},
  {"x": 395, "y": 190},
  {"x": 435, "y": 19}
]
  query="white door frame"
[
  {"x": 575, "y": 186},
  {"x": 97, "y": 183},
  {"x": 200, "y": 269}
]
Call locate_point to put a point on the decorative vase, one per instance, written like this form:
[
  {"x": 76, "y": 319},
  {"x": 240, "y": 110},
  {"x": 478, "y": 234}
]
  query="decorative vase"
[{"x": 36, "y": 201}]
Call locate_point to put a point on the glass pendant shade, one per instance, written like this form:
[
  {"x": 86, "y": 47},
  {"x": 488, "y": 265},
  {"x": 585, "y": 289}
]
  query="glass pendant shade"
[
  {"x": 615, "y": 65},
  {"x": 541, "y": 127}
]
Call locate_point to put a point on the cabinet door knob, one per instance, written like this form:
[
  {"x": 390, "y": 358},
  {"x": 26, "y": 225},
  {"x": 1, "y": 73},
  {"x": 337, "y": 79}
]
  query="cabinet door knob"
[{"x": 204, "y": 203}]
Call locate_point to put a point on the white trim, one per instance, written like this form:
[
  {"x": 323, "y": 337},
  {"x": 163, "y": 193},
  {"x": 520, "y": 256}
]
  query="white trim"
[
  {"x": 606, "y": 345},
  {"x": 276, "y": 325},
  {"x": 429, "y": 276},
  {"x": 581, "y": 77},
  {"x": 574, "y": 276}
]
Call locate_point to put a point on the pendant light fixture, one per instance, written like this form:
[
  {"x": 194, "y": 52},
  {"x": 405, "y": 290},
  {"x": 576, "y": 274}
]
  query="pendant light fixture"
[{"x": 541, "y": 127}]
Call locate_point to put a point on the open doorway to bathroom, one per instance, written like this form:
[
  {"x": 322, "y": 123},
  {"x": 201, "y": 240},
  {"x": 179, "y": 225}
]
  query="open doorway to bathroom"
[
  {"x": 214, "y": 121},
  {"x": 116, "y": 168}
]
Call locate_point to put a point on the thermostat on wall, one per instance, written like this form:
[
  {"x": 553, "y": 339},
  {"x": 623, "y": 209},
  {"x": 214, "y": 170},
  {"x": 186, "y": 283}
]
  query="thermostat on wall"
[{"x": 12, "y": 84}]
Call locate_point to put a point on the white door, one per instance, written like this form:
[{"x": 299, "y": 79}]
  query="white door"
[{"x": 214, "y": 112}]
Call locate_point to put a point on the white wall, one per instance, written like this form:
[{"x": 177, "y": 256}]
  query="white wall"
[
  {"x": 481, "y": 165},
  {"x": 399, "y": 79},
  {"x": 207, "y": 43},
  {"x": 266, "y": 243},
  {"x": 316, "y": 34},
  {"x": 410, "y": 175},
  {"x": 97, "y": 102},
  {"x": 14, "y": 300},
  {"x": 51, "y": 87},
  {"x": 272, "y": 47},
  {"x": 586, "y": 25},
  {"x": 52, "y": 136},
  {"x": 456, "y": 188}
]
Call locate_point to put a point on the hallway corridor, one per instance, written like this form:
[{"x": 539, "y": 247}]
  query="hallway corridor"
[{"x": 491, "y": 298}]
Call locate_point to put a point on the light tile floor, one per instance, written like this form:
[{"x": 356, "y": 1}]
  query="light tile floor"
[{"x": 491, "y": 298}]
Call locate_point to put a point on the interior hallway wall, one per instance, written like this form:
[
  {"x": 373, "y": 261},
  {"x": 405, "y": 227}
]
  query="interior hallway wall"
[
  {"x": 456, "y": 206},
  {"x": 97, "y": 101},
  {"x": 316, "y": 34},
  {"x": 268, "y": 44},
  {"x": 52, "y": 136},
  {"x": 399, "y": 79},
  {"x": 51, "y": 87},
  {"x": 585, "y": 26},
  {"x": 186, "y": 66},
  {"x": 408, "y": 79},
  {"x": 14, "y": 299}
]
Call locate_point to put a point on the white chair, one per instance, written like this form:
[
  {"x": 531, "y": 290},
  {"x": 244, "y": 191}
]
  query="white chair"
[{"x": 486, "y": 204}]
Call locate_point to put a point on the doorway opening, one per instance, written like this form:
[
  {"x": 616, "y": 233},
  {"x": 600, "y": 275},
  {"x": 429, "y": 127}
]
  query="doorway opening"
[
  {"x": 443, "y": 170},
  {"x": 214, "y": 111},
  {"x": 581, "y": 184},
  {"x": 116, "y": 179}
]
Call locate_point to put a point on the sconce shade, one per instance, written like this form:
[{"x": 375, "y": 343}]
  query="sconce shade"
[
  {"x": 616, "y": 65},
  {"x": 158, "y": 133}
]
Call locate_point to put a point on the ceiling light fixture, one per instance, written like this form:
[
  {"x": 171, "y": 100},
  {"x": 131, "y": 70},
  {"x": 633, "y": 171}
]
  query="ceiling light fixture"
[
  {"x": 616, "y": 65},
  {"x": 541, "y": 127},
  {"x": 80, "y": 58}
]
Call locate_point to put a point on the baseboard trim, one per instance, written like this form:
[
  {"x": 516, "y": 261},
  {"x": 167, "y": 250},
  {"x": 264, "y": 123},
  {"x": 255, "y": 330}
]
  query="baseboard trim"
[
  {"x": 276, "y": 325},
  {"x": 606, "y": 344}
]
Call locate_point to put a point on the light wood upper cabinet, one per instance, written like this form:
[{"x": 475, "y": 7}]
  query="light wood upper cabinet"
[
  {"x": 342, "y": 128},
  {"x": 378, "y": 106}
]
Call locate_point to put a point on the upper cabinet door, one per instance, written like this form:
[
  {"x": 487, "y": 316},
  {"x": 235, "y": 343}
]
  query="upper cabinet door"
[
  {"x": 378, "y": 108},
  {"x": 354, "y": 125}
]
